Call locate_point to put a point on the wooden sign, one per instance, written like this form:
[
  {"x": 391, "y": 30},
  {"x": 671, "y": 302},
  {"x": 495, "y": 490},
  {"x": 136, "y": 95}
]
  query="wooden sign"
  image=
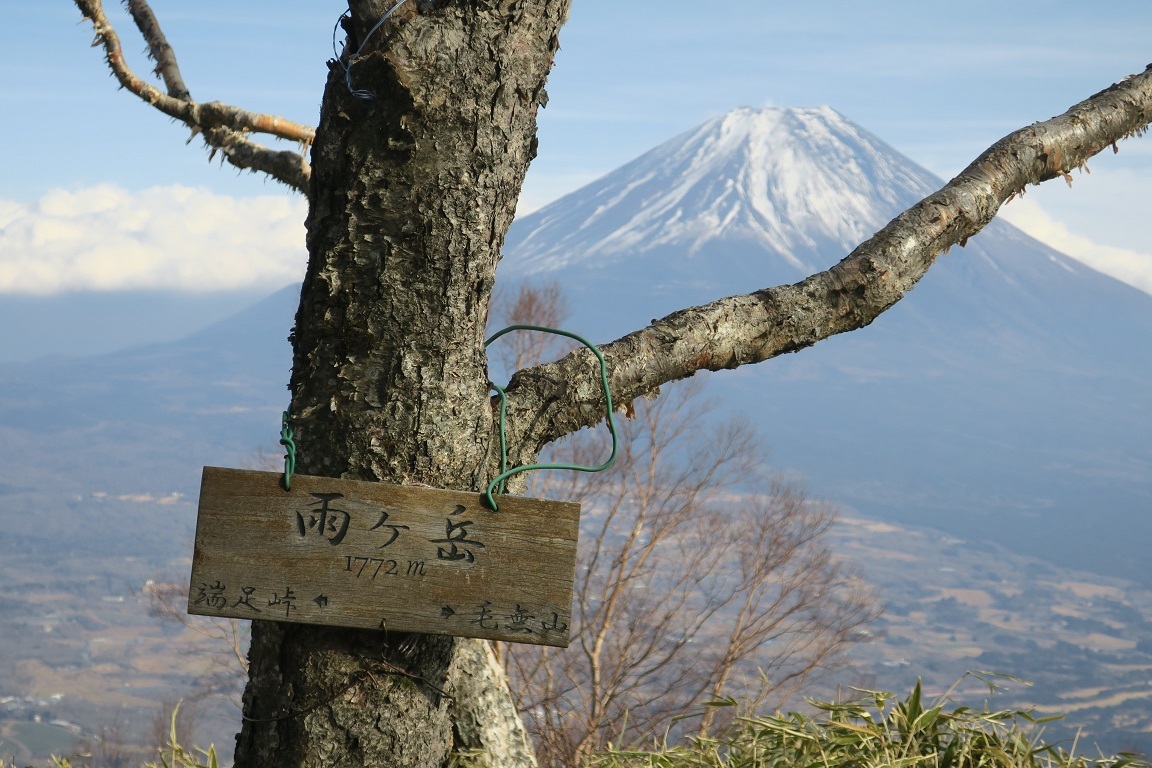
[{"x": 377, "y": 556}]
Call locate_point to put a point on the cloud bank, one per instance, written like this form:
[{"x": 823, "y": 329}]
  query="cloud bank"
[
  {"x": 1124, "y": 264},
  {"x": 106, "y": 238}
]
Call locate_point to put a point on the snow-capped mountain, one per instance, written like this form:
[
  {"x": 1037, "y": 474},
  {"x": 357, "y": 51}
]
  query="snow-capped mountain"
[
  {"x": 794, "y": 182},
  {"x": 750, "y": 199},
  {"x": 1005, "y": 396}
]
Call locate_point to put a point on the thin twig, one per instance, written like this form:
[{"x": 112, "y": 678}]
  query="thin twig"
[{"x": 225, "y": 128}]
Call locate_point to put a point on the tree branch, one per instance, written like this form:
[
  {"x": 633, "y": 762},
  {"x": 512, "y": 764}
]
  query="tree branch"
[
  {"x": 225, "y": 128},
  {"x": 549, "y": 401}
]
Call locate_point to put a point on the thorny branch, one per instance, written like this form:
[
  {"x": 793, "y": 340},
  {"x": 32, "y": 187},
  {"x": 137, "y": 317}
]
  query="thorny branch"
[
  {"x": 549, "y": 401},
  {"x": 226, "y": 129}
]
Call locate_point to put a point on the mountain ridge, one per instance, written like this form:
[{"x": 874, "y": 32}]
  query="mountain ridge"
[{"x": 748, "y": 175}]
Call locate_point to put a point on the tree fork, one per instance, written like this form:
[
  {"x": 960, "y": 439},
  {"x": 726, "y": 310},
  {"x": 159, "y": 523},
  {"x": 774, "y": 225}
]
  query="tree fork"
[{"x": 411, "y": 194}]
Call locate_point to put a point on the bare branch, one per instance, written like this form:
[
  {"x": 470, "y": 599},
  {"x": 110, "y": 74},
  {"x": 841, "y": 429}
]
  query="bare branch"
[
  {"x": 287, "y": 167},
  {"x": 688, "y": 588},
  {"x": 225, "y": 128},
  {"x": 159, "y": 49},
  {"x": 549, "y": 401}
]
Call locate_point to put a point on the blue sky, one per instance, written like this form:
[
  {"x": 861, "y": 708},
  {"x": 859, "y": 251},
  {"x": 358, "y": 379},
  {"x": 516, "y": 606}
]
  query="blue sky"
[{"x": 99, "y": 191}]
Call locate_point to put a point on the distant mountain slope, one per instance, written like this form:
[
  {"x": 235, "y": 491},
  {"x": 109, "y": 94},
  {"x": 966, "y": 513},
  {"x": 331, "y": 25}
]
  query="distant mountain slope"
[
  {"x": 99, "y": 322},
  {"x": 756, "y": 198},
  {"x": 748, "y": 181},
  {"x": 104, "y": 453}
]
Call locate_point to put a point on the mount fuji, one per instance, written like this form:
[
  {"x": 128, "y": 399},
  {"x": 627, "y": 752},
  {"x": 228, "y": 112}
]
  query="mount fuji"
[
  {"x": 795, "y": 184},
  {"x": 1005, "y": 397}
]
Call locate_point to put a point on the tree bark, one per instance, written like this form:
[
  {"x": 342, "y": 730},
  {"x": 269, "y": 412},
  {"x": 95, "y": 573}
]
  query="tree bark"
[
  {"x": 411, "y": 194},
  {"x": 485, "y": 716}
]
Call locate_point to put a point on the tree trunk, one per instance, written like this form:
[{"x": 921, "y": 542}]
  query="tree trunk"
[{"x": 412, "y": 191}]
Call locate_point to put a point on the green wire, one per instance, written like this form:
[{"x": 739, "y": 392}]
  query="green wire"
[
  {"x": 287, "y": 439},
  {"x": 505, "y": 473},
  {"x": 287, "y": 436}
]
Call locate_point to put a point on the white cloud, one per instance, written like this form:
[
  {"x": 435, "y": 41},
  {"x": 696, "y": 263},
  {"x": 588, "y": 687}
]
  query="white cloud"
[
  {"x": 107, "y": 238},
  {"x": 1129, "y": 265}
]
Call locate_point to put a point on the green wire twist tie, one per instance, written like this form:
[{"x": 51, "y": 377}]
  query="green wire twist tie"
[
  {"x": 505, "y": 473},
  {"x": 287, "y": 439}
]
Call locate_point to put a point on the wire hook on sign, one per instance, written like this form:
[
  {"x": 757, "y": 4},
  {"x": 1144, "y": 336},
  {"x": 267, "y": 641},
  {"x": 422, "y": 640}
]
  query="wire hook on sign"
[
  {"x": 505, "y": 473},
  {"x": 361, "y": 93},
  {"x": 288, "y": 440}
]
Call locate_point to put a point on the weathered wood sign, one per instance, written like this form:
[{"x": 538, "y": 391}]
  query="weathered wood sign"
[{"x": 378, "y": 556}]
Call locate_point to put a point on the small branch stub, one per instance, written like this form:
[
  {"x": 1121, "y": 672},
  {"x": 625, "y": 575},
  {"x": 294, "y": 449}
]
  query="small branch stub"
[{"x": 377, "y": 556}]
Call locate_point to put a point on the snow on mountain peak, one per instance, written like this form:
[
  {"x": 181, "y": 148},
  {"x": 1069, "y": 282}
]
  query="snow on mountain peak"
[{"x": 792, "y": 181}]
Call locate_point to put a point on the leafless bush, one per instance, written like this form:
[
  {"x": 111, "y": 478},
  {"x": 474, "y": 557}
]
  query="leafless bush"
[
  {"x": 110, "y": 747},
  {"x": 697, "y": 579}
]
